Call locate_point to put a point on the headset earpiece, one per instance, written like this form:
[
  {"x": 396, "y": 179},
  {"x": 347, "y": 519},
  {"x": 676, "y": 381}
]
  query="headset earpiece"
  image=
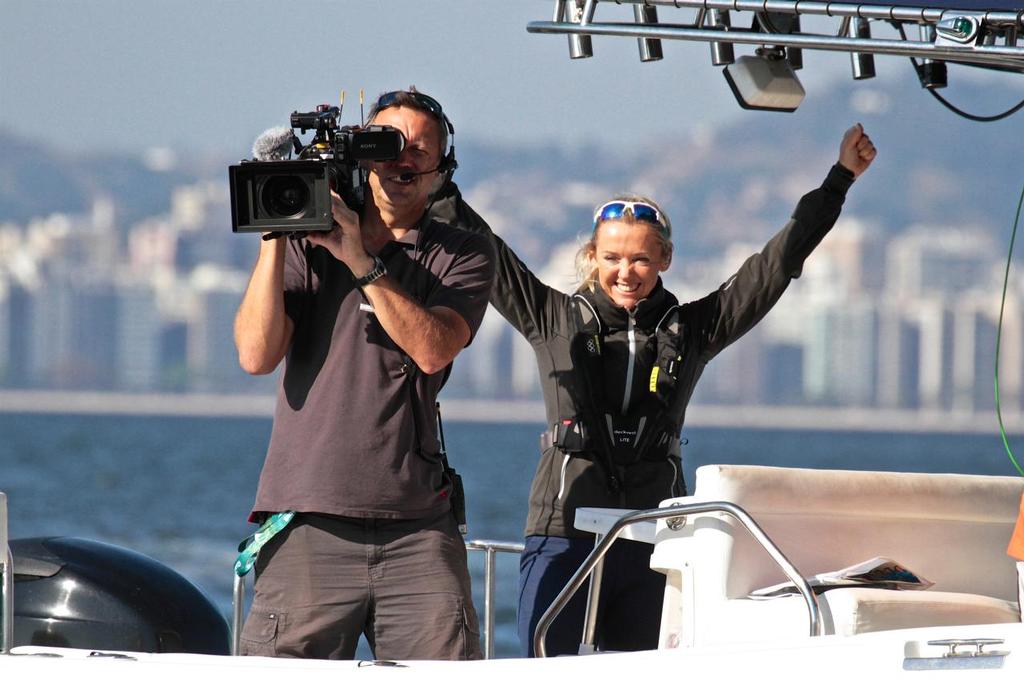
[{"x": 446, "y": 169}]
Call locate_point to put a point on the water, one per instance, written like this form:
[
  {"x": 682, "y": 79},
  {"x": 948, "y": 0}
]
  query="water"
[{"x": 179, "y": 488}]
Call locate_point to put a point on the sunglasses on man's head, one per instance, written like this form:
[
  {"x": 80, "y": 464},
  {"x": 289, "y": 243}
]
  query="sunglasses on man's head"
[
  {"x": 640, "y": 211},
  {"x": 390, "y": 99}
]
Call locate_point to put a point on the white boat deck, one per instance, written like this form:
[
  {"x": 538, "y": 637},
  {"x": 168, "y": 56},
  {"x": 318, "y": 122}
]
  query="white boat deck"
[{"x": 873, "y": 656}]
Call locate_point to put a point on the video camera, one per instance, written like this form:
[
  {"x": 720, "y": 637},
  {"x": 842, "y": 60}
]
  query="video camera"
[{"x": 274, "y": 193}]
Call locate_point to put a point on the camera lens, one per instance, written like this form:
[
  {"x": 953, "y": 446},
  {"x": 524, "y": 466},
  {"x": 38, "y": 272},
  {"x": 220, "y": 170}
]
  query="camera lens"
[{"x": 285, "y": 196}]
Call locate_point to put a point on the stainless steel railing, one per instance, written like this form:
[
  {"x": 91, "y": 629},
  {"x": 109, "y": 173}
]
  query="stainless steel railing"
[
  {"x": 7, "y": 586},
  {"x": 491, "y": 548},
  {"x": 576, "y": 20},
  {"x": 593, "y": 564}
]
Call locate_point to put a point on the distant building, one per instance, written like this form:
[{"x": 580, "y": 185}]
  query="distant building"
[
  {"x": 211, "y": 356},
  {"x": 899, "y": 367},
  {"x": 72, "y": 338},
  {"x": 139, "y": 329},
  {"x": 930, "y": 260}
]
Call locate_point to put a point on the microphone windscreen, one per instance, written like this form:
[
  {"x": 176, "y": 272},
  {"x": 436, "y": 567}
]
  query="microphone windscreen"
[{"x": 273, "y": 144}]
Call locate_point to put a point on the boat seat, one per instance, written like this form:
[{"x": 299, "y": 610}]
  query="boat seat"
[{"x": 951, "y": 529}]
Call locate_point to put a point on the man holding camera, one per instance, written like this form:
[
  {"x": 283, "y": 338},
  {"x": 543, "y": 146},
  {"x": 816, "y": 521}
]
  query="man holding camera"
[{"x": 368, "y": 318}]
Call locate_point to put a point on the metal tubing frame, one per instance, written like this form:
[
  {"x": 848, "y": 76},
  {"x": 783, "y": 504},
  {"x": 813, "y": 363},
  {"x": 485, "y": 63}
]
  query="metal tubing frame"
[
  {"x": 666, "y": 513},
  {"x": 491, "y": 549},
  {"x": 1005, "y": 56},
  {"x": 237, "y": 611},
  {"x": 7, "y": 602},
  {"x": 1010, "y": 57},
  {"x": 589, "y": 643},
  {"x": 833, "y": 9},
  {"x": 7, "y": 584}
]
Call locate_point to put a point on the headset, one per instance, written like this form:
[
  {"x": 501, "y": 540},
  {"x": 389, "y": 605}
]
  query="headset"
[{"x": 446, "y": 167}]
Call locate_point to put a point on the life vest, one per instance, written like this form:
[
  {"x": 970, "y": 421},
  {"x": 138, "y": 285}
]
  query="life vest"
[{"x": 649, "y": 430}]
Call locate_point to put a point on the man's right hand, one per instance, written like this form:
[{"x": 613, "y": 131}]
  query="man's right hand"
[
  {"x": 345, "y": 241},
  {"x": 263, "y": 330}
]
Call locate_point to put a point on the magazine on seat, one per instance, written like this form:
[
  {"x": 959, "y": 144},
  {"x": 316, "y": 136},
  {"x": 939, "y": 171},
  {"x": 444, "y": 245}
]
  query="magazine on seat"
[{"x": 877, "y": 572}]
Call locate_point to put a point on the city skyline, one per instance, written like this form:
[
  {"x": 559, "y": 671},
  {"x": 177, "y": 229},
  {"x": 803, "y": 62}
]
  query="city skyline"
[
  {"x": 670, "y": 130},
  {"x": 914, "y": 332}
]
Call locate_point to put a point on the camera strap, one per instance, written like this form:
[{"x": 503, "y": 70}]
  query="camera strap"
[
  {"x": 250, "y": 547},
  {"x": 458, "y": 493}
]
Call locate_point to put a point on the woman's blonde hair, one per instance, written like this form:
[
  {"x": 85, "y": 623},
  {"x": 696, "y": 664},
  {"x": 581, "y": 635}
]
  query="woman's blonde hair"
[{"x": 586, "y": 265}]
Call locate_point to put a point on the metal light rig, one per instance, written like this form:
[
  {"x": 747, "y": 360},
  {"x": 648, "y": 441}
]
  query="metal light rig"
[{"x": 981, "y": 33}]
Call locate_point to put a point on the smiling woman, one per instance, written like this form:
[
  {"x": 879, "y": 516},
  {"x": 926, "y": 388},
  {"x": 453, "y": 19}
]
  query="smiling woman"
[
  {"x": 630, "y": 246},
  {"x": 618, "y": 361}
]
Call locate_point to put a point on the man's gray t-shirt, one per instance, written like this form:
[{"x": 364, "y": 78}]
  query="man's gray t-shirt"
[{"x": 355, "y": 424}]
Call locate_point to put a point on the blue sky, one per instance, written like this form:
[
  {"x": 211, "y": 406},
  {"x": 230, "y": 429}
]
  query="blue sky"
[{"x": 209, "y": 75}]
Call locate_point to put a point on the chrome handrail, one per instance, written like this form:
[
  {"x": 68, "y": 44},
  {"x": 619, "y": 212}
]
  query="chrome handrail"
[
  {"x": 490, "y": 549},
  {"x": 7, "y": 586},
  {"x": 678, "y": 512},
  {"x": 580, "y": 25},
  {"x": 237, "y": 612},
  {"x": 894, "y": 11},
  {"x": 994, "y": 55}
]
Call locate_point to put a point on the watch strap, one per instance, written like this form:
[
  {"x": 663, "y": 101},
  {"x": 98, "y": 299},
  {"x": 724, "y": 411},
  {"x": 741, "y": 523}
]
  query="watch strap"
[{"x": 376, "y": 272}]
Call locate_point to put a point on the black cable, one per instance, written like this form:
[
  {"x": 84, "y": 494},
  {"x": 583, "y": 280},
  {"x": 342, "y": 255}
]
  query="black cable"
[
  {"x": 960, "y": 112},
  {"x": 949, "y": 105}
]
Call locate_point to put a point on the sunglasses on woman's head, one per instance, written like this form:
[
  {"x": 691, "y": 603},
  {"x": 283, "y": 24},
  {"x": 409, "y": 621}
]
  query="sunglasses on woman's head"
[{"x": 640, "y": 211}]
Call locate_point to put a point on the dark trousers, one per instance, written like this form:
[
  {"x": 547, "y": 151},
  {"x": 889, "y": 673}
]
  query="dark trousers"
[
  {"x": 324, "y": 580},
  {"x": 629, "y": 609}
]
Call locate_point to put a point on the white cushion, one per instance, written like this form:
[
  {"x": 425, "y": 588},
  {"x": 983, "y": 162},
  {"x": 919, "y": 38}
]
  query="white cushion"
[
  {"x": 849, "y": 611},
  {"x": 950, "y": 529}
]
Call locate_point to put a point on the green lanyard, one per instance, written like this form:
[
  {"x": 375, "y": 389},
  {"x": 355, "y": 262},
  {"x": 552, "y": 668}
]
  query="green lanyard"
[{"x": 250, "y": 546}]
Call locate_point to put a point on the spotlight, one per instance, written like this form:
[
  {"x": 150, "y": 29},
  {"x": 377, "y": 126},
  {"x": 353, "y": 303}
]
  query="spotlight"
[
  {"x": 580, "y": 46},
  {"x": 650, "y": 48},
  {"x": 721, "y": 53},
  {"x": 765, "y": 82},
  {"x": 863, "y": 65},
  {"x": 930, "y": 72},
  {"x": 795, "y": 55}
]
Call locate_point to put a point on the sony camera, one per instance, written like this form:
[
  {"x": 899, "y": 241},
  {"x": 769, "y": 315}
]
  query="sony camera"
[{"x": 275, "y": 193}]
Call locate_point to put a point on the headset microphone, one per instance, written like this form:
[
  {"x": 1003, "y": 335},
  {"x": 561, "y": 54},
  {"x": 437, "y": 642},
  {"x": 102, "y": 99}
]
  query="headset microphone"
[
  {"x": 409, "y": 175},
  {"x": 447, "y": 165}
]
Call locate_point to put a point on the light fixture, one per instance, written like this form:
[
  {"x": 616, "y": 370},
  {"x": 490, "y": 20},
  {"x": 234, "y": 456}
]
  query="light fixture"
[
  {"x": 795, "y": 55},
  {"x": 650, "y": 48},
  {"x": 863, "y": 64},
  {"x": 765, "y": 82},
  {"x": 580, "y": 45},
  {"x": 958, "y": 30},
  {"x": 930, "y": 72},
  {"x": 721, "y": 53}
]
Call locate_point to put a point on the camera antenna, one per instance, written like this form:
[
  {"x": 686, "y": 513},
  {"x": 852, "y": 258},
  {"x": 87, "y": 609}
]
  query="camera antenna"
[
  {"x": 362, "y": 119},
  {"x": 341, "y": 103}
]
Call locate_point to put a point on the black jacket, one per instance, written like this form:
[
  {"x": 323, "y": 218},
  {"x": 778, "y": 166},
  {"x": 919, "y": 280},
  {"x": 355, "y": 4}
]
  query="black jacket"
[{"x": 549, "y": 320}]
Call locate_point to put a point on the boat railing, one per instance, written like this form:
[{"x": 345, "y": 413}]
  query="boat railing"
[
  {"x": 7, "y": 588},
  {"x": 594, "y": 562},
  {"x": 490, "y": 548}
]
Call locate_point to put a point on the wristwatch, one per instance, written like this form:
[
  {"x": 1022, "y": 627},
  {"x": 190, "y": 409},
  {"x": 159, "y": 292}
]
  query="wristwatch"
[{"x": 376, "y": 272}]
